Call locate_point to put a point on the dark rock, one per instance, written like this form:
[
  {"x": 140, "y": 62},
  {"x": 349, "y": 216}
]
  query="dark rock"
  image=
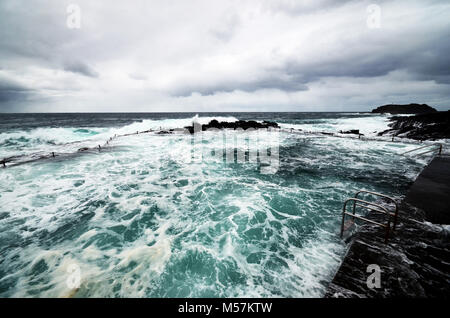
[
  {"x": 420, "y": 127},
  {"x": 163, "y": 132},
  {"x": 83, "y": 149},
  {"x": 412, "y": 264},
  {"x": 404, "y": 109},
  {"x": 6, "y": 160},
  {"x": 352, "y": 131},
  {"x": 240, "y": 124}
]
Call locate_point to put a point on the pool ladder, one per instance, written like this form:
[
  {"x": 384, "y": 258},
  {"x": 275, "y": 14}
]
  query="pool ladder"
[{"x": 373, "y": 207}]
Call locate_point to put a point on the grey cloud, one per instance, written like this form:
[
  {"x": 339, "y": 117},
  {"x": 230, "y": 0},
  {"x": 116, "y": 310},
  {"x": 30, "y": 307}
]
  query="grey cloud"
[
  {"x": 294, "y": 75},
  {"x": 429, "y": 60},
  {"x": 12, "y": 91},
  {"x": 33, "y": 37},
  {"x": 359, "y": 67},
  {"x": 80, "y": 68},
  {"x": 138, "y": 76},
  {"x": 12, "y": 94},
  {"x": 227, "y": 27},
  {"x": 271, "y": 82},
  {"x": 293, "y": 7},
  {"x": 367, "y": 56},
  {"x": 32, "y": 30},
  {"x": 433, "y": 62}
]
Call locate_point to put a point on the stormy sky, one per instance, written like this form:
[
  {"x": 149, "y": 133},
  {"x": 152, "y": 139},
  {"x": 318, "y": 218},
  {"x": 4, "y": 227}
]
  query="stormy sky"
[{"x": 208, "y": 55}]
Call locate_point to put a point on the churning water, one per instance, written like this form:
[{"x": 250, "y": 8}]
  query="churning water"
[{"x": 138, "y": 220}]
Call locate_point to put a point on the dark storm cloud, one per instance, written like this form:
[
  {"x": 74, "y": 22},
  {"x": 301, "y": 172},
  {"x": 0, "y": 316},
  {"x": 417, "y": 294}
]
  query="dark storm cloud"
[
  {"x": 428, "y": 61},
  {"x": 11, "y": 91},
  {"x": 425, "y": 58},
  {"x": 270, "y": 82},
  {"x": 294, "y": 75},
  {"x": 359, "y": 67},
  {"x": 432, "y": 63}
]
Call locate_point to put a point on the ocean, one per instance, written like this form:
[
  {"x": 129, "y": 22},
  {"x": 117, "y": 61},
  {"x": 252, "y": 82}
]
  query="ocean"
[{"x": 179, "y": 215}]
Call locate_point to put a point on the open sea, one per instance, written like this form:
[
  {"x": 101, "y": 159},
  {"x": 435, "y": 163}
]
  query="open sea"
[{"x": 162, "y": 215}]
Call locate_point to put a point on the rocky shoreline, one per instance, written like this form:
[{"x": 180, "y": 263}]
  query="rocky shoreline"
[{"x": 431, "y": 126}]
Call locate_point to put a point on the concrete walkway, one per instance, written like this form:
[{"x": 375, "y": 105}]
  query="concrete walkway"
[{"x": 431, "y": 191}]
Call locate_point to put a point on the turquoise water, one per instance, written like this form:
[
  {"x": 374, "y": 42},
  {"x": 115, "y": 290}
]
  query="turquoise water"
[{"x": 140, "y": 220}]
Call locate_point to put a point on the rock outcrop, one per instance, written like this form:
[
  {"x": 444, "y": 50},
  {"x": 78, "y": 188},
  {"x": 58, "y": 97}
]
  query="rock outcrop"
[
  {"x": 351, "y": 131},
  {"x": 240, "y": 124},
  {"x": 420, "y": 127},
  {"x": 404, "y": 109}
]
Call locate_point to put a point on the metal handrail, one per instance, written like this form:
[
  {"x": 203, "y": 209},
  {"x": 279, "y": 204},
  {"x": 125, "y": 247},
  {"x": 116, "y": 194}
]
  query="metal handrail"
[
  {"x": 394, "y": 214},
  {"x": 371, "y": 206},
  {"x": 439, "y": 145}
]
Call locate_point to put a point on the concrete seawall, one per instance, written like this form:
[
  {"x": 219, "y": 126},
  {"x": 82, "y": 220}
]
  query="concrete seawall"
[{"x": 416, "y": 260}]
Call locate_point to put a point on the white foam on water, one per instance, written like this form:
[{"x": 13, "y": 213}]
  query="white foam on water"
[
  {"x": 129, "y": 217},
  {"x": 46, "y": 140},
  {"x": 170, "y": 123},
  {"x": 367, "y": 125}
]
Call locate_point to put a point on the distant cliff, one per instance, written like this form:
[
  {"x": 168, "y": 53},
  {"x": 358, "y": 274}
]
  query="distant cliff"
[{"x": 404, "y": 109}]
